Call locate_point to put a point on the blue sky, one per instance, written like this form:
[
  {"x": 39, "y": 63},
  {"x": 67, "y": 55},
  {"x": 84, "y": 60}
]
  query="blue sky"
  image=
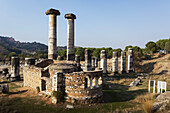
[{"x": 99, "y": 23}]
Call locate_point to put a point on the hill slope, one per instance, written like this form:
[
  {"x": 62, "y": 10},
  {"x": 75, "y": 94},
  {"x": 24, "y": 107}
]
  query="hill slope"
[{"x": 8, "y": 44}]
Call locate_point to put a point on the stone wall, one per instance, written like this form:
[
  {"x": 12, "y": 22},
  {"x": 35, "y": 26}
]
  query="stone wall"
[
  {"x": 84, "y": 87},
  {"x": 32, "y": 76}
]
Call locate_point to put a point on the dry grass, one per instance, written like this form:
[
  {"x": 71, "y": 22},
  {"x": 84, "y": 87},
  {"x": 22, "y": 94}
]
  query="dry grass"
[
  {"x": 146, "y": 101},
  {"x": 148, "y": 106},
  {"x": 124, "y": 81}
]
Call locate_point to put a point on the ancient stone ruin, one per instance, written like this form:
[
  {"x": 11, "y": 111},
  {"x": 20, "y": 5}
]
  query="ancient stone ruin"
[
  {"x": 79, "y": 84},
  {"x": 15, "y": 68},
  {"x": 65, "y": 75}
]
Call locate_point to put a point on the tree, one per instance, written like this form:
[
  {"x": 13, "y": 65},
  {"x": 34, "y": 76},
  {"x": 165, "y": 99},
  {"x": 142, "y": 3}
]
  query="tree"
[
  {"x": 161, "y": 44},
  {"x": 80, "y": 51},
  {"x": 62, "y": 53},
  {"x": 167, "y": 46},
  {"x": 96, "y": 53},
  {"x": 119, "y": 51},
  {"x": 151, "y": 47},
  {"x": 126, "y": 48}
]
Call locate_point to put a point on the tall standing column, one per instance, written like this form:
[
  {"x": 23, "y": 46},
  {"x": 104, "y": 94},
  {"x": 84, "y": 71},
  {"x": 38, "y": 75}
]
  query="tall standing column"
[
  {"x": 123, "y": 62},
  {"x": 88, "y": 55},
  {"x": 15, "y": 68},
  {"x": 70, "y": 36},
  {"x": 130, "y": 60},
  {"x": 103, "y": 61},
  {"x": 115, "y": 63},
  {"x": 52, "y": 34}
]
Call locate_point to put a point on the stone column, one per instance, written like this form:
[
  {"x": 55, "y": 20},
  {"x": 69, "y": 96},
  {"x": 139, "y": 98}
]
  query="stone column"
[
  {"x": 88, "y": 55},
  {"x": 130, "y": 60},
  {"x": 115, "y": 63},
  {"x": 123, "y": 62},
  {"x": 70, "y": 36},
  {"x": 29, "y": 61},
  {"x": 77, "y": 59},
  {"x": 103, "y": 61},
  {"x": 52, "y": 34},
  {"x": 93, "y": 62},
  {"x": 96, "y": 62},
  {"x": 15, "y": 68},
  {"x": 60, "y": 58}
]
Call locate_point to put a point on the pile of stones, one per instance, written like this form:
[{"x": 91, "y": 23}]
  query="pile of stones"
[
  {"x": 138, "y": 80},
  {"x": 5, "y": 74}
]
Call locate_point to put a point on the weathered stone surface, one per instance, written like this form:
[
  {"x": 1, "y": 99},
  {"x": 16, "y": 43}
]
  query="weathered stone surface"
[
  {"x": 134, "y": 83},
  {"x": 93, "y": 62},
  {"x": 70, "y": 36},
  {"x": 15, "y": 68},
  {"x": 115, "y": 63},
  {"x": 88, "y": 56},
  {"x": 29, "y": 61},
  {"x": 52, "y": 12},
  {"x": 70, "y": 16},
  {"x": 52, "y": 34},
  {"x": 123, "y": 62},
  {"x": 130, "y": 60},
  {"x": 103, "y": 61},
  {"x": 96, "y": 62},
  {"x": 161, "y": 101},
  {"x": 84, "y": 87}
]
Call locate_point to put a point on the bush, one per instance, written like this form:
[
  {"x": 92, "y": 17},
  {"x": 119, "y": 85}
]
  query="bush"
[
  {"x": 38, "y": 89},
  {"x": 168, "y": 58},
  {"x": 147, "y": 57},
  {"x": 59, "y": 95}
]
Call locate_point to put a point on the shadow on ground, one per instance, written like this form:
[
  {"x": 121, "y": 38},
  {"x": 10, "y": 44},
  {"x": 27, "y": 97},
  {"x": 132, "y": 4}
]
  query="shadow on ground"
[
  {"x": 120, "y": 93},
  {"x": 147, "y": 68},
  {"x": 18, "y": 92}
]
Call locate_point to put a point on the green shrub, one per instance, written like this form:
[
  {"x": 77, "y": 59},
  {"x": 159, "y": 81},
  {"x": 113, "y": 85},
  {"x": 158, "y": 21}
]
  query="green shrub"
[
  {"x": 59, "y": 95},
  {"x": 38, "y": 89}
]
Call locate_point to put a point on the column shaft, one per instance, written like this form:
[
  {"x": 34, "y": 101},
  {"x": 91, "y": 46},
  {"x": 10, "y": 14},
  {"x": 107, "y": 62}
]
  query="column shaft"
[
  {"x": 70, "y": 40},
  {"x": 52, "y": 37},
  {"x": 115, "y": 63}
]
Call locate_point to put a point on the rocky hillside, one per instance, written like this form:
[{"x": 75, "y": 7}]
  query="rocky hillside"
[{"x": 9, "y": 44}]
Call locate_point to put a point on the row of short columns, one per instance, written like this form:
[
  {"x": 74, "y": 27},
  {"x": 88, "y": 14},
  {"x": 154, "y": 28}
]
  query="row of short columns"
[
  {"x": 92, "y": 62},
  {"x": 123, "y": 62},
  {"x": 52, "y": 34}
]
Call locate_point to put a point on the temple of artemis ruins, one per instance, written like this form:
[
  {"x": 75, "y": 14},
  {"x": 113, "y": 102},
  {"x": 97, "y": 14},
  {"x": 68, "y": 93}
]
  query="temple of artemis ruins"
[{"x": 80, "y": 84}]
